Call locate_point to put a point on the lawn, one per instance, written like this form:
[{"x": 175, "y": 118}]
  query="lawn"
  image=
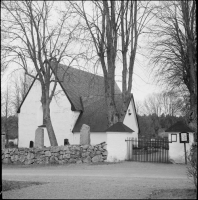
[
  {"x": 173, "y": 194},
  {"x": 11, "y": 185},
  {"x": 157, "y": 194}
]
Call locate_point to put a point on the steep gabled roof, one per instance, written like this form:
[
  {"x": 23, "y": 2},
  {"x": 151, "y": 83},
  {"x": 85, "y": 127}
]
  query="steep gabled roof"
[
  {"x": 179, "y": 126},
  {"x": 119, "y": 127},
  {"x": 95, "y": 113},
  {"x": 86, "y": 93},
  {"x": 77, "y": 83},
  {"x": 19, "y": 109}
]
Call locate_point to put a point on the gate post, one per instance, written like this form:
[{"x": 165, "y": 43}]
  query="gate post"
[
  {"x": 130, "y": 144},
  {"x": 116, "y": 142},
  {"x": 130, "y": 148}
]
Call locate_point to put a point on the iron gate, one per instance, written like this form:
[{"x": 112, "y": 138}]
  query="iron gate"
[{"x": 147, "y": 150}]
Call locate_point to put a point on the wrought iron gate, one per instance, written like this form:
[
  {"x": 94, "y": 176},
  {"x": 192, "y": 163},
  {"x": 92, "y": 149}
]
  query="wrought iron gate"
[{"x": 148, "y": 150}]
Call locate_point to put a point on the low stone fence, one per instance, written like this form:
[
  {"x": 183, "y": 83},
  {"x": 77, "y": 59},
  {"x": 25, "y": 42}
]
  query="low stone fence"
[{"x": 55, "y": 155}]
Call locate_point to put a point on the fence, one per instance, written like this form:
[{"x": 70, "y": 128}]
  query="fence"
[{"x": 147, "y": 150}]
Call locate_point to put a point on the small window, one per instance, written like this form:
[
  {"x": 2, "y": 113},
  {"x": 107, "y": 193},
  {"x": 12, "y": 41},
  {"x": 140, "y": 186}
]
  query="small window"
[{"x": 173, "y": 137}]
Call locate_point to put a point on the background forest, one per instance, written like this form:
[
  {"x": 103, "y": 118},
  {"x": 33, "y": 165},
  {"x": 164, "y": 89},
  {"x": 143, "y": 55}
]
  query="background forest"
[{"x": 154, "y": 126}]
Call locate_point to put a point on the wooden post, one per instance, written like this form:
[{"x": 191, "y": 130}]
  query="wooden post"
[{"x": 185, "y": 153}]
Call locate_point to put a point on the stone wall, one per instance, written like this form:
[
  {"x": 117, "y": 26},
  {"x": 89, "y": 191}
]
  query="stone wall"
[{"x": 55, "y": 155}]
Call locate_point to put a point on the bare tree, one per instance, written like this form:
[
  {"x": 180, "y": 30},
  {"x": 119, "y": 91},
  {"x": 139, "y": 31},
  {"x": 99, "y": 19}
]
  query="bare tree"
[
  {"x": 3, "y": 53},
  {"x": 139, "y": 107},
  {"x": 172, "y": 104},
  {"x": 113, "y": 28},
  {"x": 36, "y": 39},
  {"x": 153, "y": 104},
  {"x": 6, "y": 111},
  {"x": 167, "y": 103},
  {"x": 174, "y": 49},
  {"x": 192, "y": 166}
]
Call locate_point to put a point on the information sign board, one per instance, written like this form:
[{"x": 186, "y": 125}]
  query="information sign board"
[{"x": 184, "y": 137}]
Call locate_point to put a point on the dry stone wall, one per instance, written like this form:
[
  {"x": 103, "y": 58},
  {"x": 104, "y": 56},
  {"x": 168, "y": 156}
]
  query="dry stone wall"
[{"x": 55, "y": 155}]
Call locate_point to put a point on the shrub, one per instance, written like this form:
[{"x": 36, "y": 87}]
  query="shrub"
[
  {"x": 11, "y": 145},
  {"x": 192, "y": 164}
]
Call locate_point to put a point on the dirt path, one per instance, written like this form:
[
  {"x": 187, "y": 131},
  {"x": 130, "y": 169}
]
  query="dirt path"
[{"x": 128, "y": 180}]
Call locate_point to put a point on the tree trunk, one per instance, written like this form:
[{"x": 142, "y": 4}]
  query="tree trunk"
[
  {"x": 6, "y": 133},
  {"x": 48, "y": 123},
  {"x": 189, "y": 21},
  {"x": 110, "y": 102},
  {"x": 193, "y": 91},
  {"x": 112, "y": 114},
  {"x": 46, "y": 116},
  {"x": 125, "y": 97},
  {"x": 192, "y": 116}
]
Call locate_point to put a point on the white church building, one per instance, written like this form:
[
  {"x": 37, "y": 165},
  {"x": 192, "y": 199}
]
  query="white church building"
[{"x": 79, "y": 99}]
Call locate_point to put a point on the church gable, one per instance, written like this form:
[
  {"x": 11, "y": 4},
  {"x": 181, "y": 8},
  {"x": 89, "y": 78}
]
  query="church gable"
[
  {"x": 31, "y": 115},
  {"x": 85, "y": 93},
  {"x": 131, "y": 119}
]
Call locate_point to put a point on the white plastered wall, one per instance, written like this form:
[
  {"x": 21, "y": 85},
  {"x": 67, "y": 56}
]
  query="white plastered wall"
[
  {"x": 131, "y": 120},
  {"x": 176, "y": 149},
  {"x": 30, "y": 117},
  {"x": 116, "y": 146},
  {"x": 95, "y": 138}
]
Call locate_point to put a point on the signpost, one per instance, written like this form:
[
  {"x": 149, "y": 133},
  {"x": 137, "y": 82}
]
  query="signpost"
[{"x": 184, "y": 138}]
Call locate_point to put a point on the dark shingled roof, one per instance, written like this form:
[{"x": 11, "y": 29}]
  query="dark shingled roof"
[
  {"x": 86, "y": 93},
  {"x": 95, "y": 113},
  {"x": 119, "y": 127},
  {"x": 77, "y": 83},
  {"x": 179, "y": 126}
]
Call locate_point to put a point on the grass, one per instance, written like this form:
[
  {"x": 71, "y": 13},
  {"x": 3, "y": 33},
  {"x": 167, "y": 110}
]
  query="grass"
[
  {"x": 173, "y": 194},
  {"x": 6, "y": 166},
  {"x": 157, "y": 194},
  {"x": 105, "y": 163},
  {"x": 12, "y": 185}
]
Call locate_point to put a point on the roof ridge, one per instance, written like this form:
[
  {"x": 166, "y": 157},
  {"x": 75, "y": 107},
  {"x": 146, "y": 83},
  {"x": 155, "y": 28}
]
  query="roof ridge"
[{"x": 82, "y": 70}]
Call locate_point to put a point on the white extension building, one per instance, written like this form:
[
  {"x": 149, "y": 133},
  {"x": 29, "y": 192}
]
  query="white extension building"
[
  {"x": 79, "y": 100},
  {"x": 176, "y": 145}
]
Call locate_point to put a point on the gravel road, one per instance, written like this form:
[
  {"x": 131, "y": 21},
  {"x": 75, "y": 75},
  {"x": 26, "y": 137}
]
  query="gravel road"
[{"x": 126, "y": 180}]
